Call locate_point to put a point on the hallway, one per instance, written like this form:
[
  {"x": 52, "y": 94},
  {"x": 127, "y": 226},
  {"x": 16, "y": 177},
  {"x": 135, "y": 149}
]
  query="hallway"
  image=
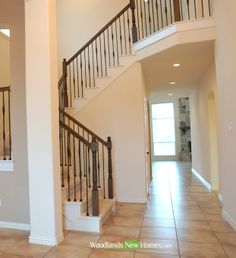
[{"x": 182, "y": 219}]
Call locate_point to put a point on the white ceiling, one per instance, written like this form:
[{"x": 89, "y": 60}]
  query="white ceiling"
[{"x": 159, "y": 71}]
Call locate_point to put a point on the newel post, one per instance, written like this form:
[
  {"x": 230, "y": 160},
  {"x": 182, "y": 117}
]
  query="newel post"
[
  {"x": 134, "y": 27},
  {"x": 176, "y": 10},
  {"x": 95, "y": 192},
  {"x": 110, "y": 180},
  {"x": 64, "y": 70}
]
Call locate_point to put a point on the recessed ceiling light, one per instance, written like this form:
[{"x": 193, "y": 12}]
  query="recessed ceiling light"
[
  {"x": 145, "y": 0},
  {"x": 172, "y": 83},
  {"x": 176, "y": 65},
  {"x": 170, "y": 94}
]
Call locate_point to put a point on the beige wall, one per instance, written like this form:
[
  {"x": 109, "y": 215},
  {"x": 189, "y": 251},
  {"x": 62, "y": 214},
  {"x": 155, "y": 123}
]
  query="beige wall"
[
  {"x": 14, "y": 186},
  {"x": 4, "y": 60},
  {"x": 119, "y": 112},
  {"x": 201, "y": 126},
  {"x": 79, "y": 20},
  {"x": 225, "y": 52}
]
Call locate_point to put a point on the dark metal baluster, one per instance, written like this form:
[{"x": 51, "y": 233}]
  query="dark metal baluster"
[
  {"x": 89, "y": 166},
  {"x": 125, "y": 35},
  {"x": 108, "y": 47},
  {"x": 157, "y": 11},
  {"x": 98, "y": 161},
  {"x": 105, "y": 53},
  {"x": 202, "y": 9},
  {"x": 129, "y": 36},
  {"x": 149, "y": 18},
  {"x": 81, "y": 75},
  {"x": 113, "y": 49},
  {"x": 80, "y": 173},
  {"x": 141, "y": 17},
  {"x": 70, "y": 84},
  {"x": 145, "y": 18},
  {"x": 85, "y": 70},
  {"x": 134, "y": 27},
  {"x": 87, "y": 183},
  {"x": 117, "y": 47},
  {"x": 89, "y": 68},
  {"x": 61, "y": 134},
  {"x": 96, "y": 52},
  {"x": 166, "y": 13},
  {"x": 100, "y": 48},
  {"x": 68, "y": 166},
  {"x": 103, "y": 173},
  {"x": 3, "y": 126},
  {"x": 153, "y": 17},
  {"x": 93, "y": 64},
  {"x": 74, "y": 159},
  {"x": 121, "y": 43},
  {"x": 195, "y": 9},
  {"x": 138, "y": 20},
  {"x": 9, "y": 122},
  {"x": 188, "y": 9},
  {"x": 73, "y": 69},
  {"x": 162, "y": 21},
  {"x": 78, "y": 79},
  {"x": 84, "y": 157},
  {"x": 209, "y": 6}
]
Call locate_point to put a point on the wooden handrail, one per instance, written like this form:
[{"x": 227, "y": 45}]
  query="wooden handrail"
[
  {"x": 99, "y": 33},
  {"x": 76, "y": 135},
  {"x": 98, "y": 138},
  {"x": 5, "y": 88}
]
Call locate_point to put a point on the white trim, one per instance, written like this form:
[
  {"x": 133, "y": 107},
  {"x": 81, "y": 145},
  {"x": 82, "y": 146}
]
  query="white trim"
[
  {"x": 206, "y": 184},
  {"x": 228, "y": 218},
  {"x": 42, "y": 240},
  {"x": 220, "y": 197},
  {"x": 6, "y": 166},
  {"x": 13, "y": 225}
]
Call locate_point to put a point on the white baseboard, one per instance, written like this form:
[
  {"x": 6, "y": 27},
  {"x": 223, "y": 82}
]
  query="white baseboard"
[
  {"x": 13, "y": 225},
  {"x": 228, "y": 218},
  {"x": 220, "y": 197},
  {"x": 42, "y": 240},
  {"x": 128, "y": 200},
  {"x": 206, "y": 184},
  {"x": 6, "y": 166}
]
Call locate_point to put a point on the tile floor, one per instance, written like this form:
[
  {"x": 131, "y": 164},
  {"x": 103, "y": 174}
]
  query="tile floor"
[{"x": 181, "y": 217}]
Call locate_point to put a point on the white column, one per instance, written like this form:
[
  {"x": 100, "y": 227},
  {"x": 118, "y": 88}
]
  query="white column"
[{"x": 42, "y": 122}]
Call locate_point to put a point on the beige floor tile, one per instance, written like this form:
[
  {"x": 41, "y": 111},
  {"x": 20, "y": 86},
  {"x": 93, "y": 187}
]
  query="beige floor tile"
[
  {"x": 129, "y": 213},
  {"x": 200, "y": 236},
  {"x": 125, "y": 221},
  {"x": 101, "y": 253},
  {"x": 198, "y": 250},
  {"x": 80, "y": 238},
  {"x": 69, "y": 251},
  {"x": 129, "y": 232},
  {"x": 155, "y": 214},
  {"x": 133, "y": 207},
  {"x": 159, "y": 246},
  {"x": 214, "y": 218},
  {"x": 193, "y": 225},
  {"x": 160, "y": 233},
  {"x": 113, "y": 239},
  {"x": 222, "y": 227},
  {"x": 13, "y": 256},
  {"x": 227, "y": 238},
  {"x": 7, "y": 242},
  {"x": 230, "y": 250},
  {"x": 157, "y": 222},
  {"x": 23, "y": 248}
]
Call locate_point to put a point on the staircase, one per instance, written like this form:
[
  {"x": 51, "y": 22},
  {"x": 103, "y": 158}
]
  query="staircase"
[{"x": 86, "y": 158}]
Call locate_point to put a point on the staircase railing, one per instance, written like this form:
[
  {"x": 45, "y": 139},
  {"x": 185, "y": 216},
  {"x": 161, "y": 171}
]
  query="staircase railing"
[
  {"x": 84, "y": 154},
  {"x": 86, "y": 163},
  {"x": 93, "y": 60},
  {"x": 154, "y": 15},
  {"x": 5, "y": 124}
]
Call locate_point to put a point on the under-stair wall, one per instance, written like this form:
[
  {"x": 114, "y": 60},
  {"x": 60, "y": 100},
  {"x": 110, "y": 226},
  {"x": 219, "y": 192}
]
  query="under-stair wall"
[{"x": 118, "y": 111}]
